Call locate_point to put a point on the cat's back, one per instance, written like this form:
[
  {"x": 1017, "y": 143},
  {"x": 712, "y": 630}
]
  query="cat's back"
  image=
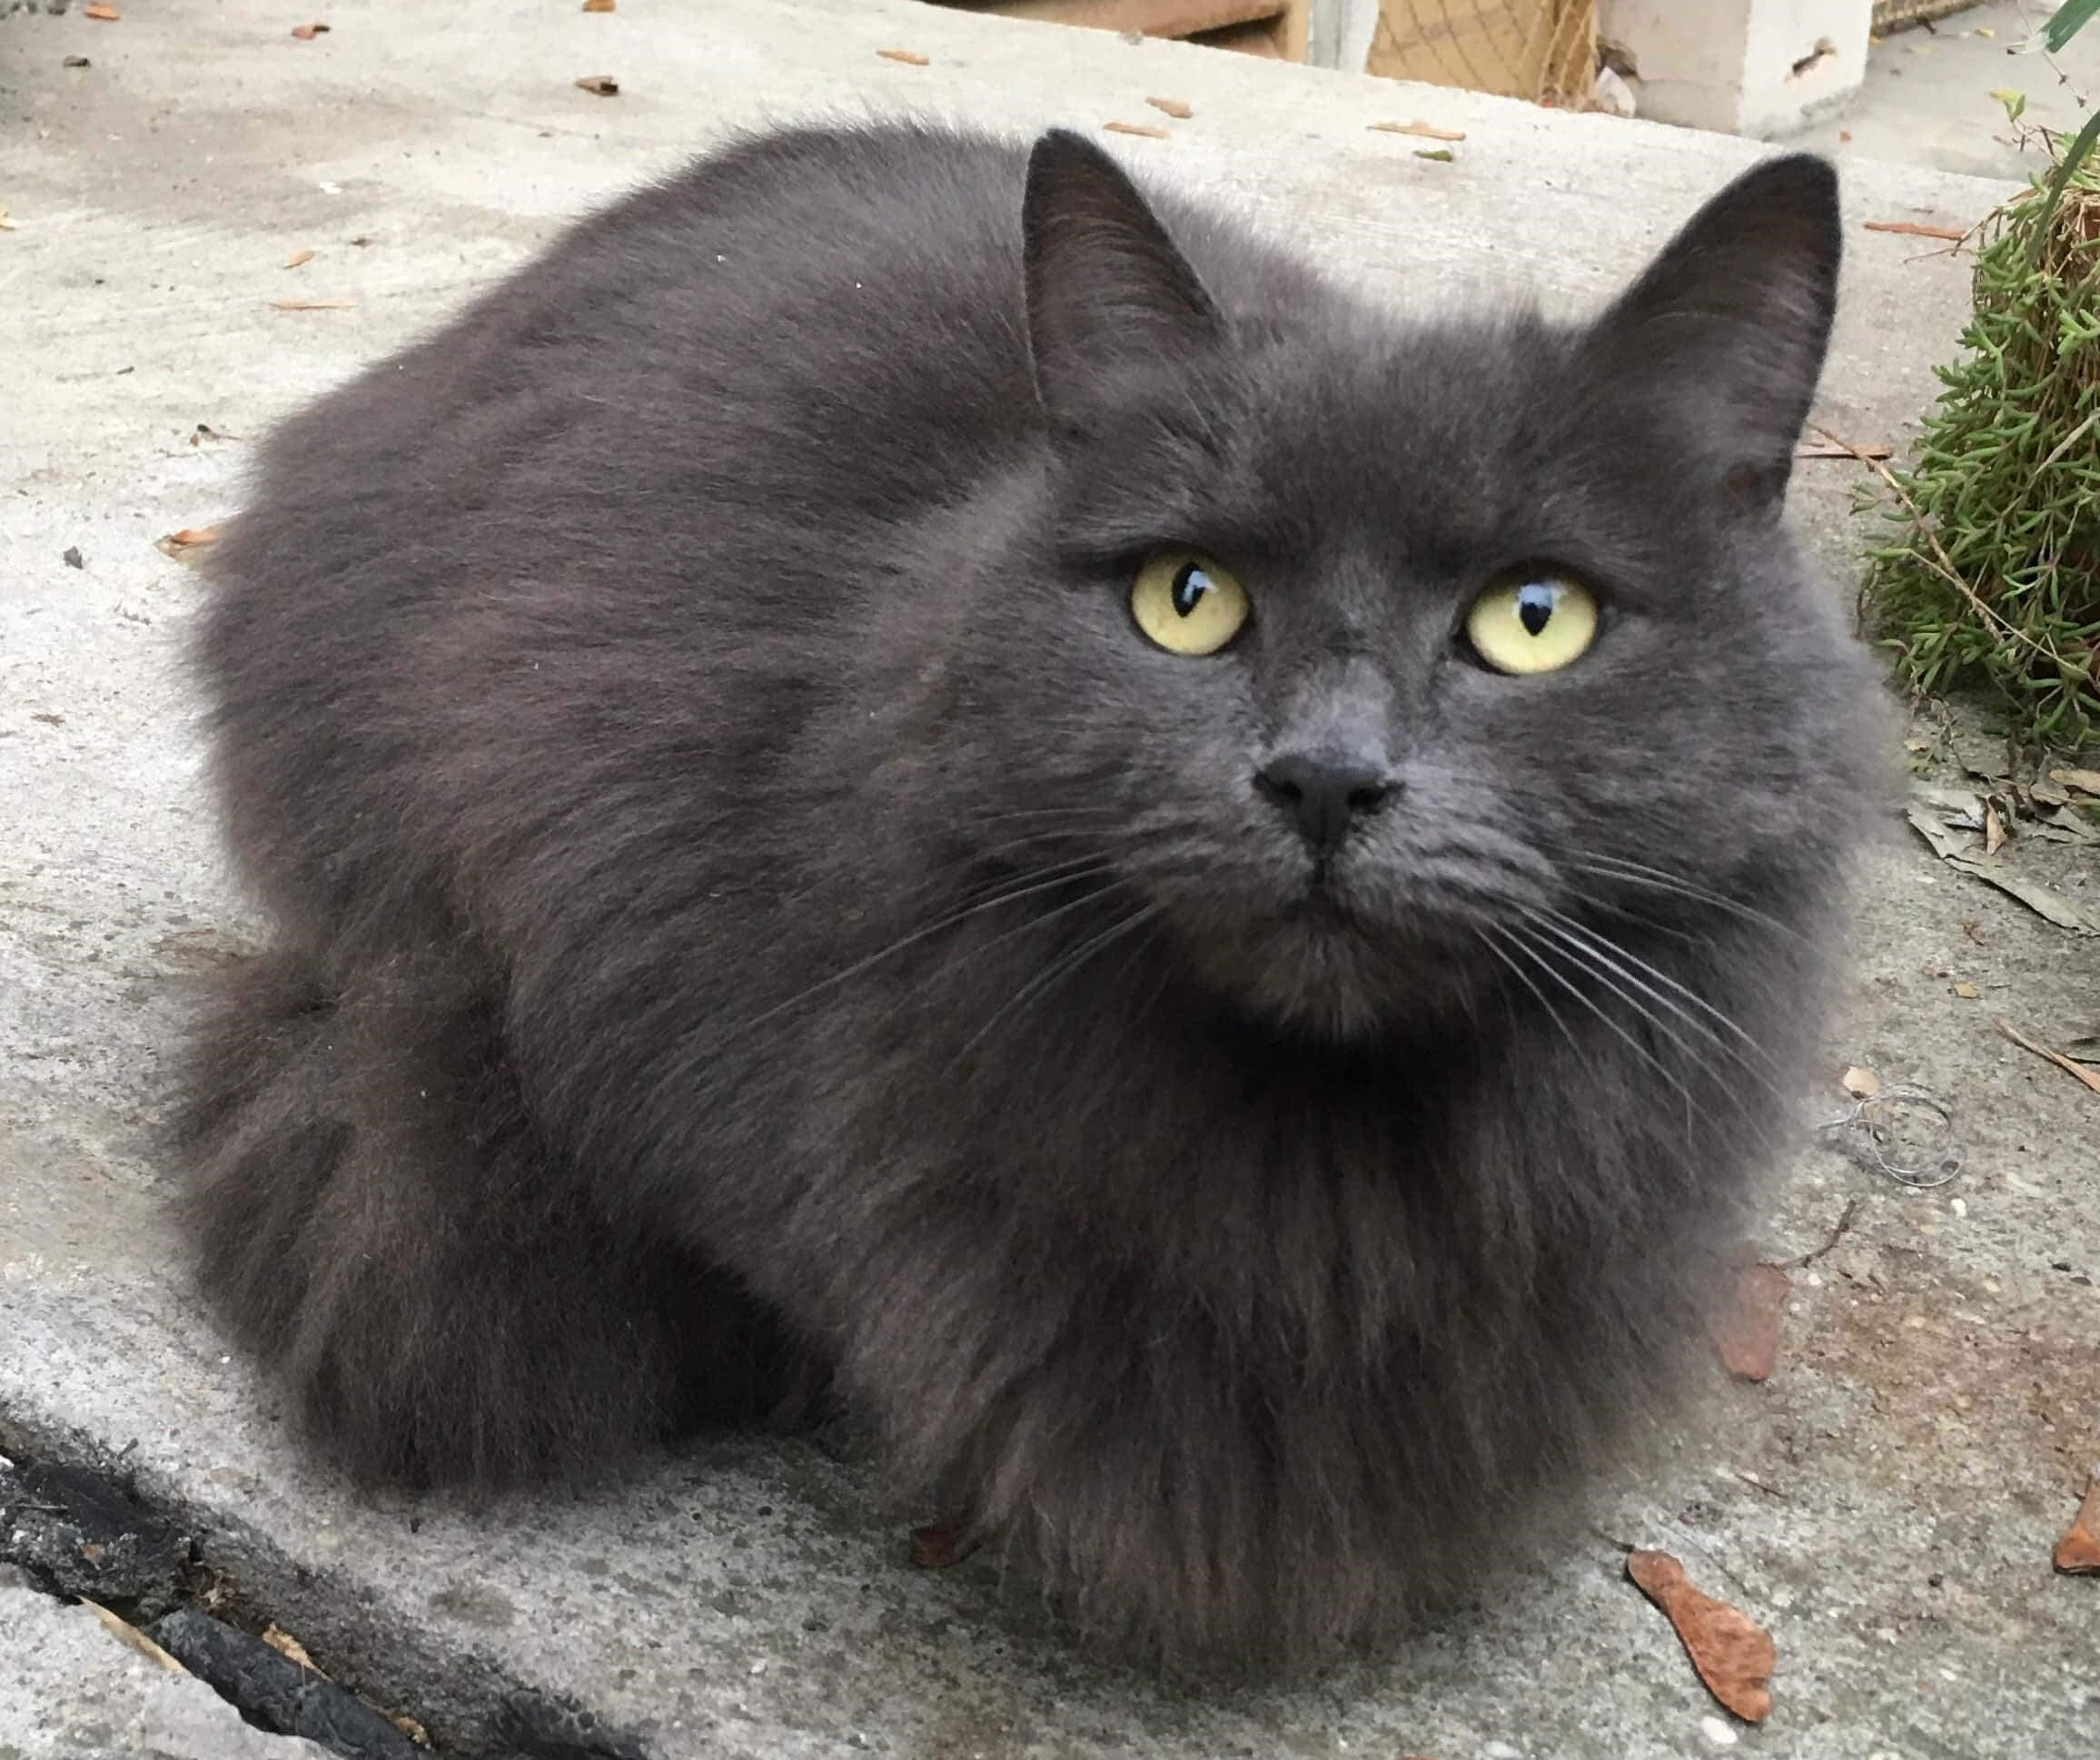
[{"x": 782, "y": 306}]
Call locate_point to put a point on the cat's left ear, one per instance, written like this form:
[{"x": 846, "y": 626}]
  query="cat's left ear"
[
  {"x": 1109, "y": 296},
  {"x": 1723, "y": 337}
]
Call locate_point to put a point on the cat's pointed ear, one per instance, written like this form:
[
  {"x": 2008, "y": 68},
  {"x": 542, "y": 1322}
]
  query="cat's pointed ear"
[
  {"x": 1108, "y": 294},
  {"x": 1726, "y": 329}
]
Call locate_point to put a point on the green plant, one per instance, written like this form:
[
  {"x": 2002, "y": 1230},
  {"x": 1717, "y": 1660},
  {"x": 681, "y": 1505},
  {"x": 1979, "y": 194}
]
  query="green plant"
[{"x": 1993, "y": 572}]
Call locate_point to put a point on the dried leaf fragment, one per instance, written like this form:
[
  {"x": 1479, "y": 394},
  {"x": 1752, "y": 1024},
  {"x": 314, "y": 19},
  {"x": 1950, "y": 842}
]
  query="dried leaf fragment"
[
  {"x": 1750, "y": 1330},
  {"x": 77, "y": 60},
  {"x": 289, "y": 1647},
  {"x": 131, "y": 1634},
  {"x": 104, "y": 15},
  {"x": 1442, "y": 155},
  {"x": 1915, "y": 229},
  {"x": 597, "y": 5},
  {"x": 7, "y": 225},
  {"x": 1733, "y": 1654},
  {"x": 910, "y": 57},
  {"x": 1428, "y": 130},
  {"x": 1145, "y": 129},
  {"x": 1861, "y": 1084},
  {"x": 189, "y": 544},
  {"x": 2065, "y": 912},
  {"x": 2056, "y": 1057},
  {"x": 2078, "y": 1553},
  {"x": 2087, "y": 780},
  {"x": 1174, "y": 107},
  {"x": 313, "y": 306},
  {"x": 940, "y": 1545},
  {"x": 1968, "y": 993},
  {"x": 307, "y": 33},
  {"x": 297, "y": 258},
  {"x": 1993, "y": 830},
  {"x": 601, "y": 85}
]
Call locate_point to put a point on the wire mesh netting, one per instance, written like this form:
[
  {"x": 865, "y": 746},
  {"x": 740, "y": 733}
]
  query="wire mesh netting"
[
  {"x": 1890, "y": 14},
  {"x": 1544, "y": 50}
]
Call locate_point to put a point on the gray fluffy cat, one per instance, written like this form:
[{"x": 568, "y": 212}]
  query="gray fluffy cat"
[{"x": 900, "y": 768}]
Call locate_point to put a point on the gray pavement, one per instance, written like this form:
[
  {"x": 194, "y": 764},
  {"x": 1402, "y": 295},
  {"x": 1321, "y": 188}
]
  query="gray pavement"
[
  {"x": 69, "y": 1687},
  {"x": 1884, "y": 1503},
  {"x": 1931, "y": 95}
]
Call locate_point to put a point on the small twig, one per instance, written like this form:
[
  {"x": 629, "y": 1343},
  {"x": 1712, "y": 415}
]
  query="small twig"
[
  {"x": 1839, "y": 1231},
  {"x": 1913, "y": 229},
  {"x": 2056, "y": 1057},
  {"x": 1756, "y": 1484},
  {"x": 1939, "y": 562}
]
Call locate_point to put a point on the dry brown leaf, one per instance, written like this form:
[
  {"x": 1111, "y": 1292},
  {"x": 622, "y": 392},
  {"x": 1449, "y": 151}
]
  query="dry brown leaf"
[
  {"x": 307, "y": 33},
  {"x": 1973, "y": 928},
  {"x": 2056, "y": 1057},
  {"x": 1733, "y": 1654},
  {"x": 1915, "y": 229},
  {"x": 597, "y": 5},
  {"x": 2088, "y": 780},
  {"x": 297, "y": 258},
  {"x": 7, "y": 225},
  {"x": 1861, "y": 1084},
  {"x": 190, "y": 537},
  {"x": 131, "y": 1634},
  {"x": 313, "y": 306},
  {"x": 1967, "y": 992},
  {"x": 1750, "y": 1330},
  {"x": 1993, "y": 830},
  {"x": 601, "y": 85},
  {"x": 1145, "y": 129},
  {"x": 910, "y": 57},
  {"x": 1173, "y": 107},
  {"x": 290, "y": 1648},
  {"x": 401, "y": 1720},
  {"x": 1429, "y": 131},
  {"x": 2078, "y": 1553},
  {"x": 938, "y": 1545},
  {"x": 105, "y": 14}
]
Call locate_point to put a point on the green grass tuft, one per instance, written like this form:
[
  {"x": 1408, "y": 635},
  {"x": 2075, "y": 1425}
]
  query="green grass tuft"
[{"x": 1991, "y": 572}]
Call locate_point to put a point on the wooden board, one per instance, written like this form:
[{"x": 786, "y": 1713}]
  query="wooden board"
[{"x": 1272, "y": 27}]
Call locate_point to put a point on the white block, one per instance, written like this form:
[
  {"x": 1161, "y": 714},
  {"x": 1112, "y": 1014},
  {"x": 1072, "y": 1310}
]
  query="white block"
[{"x": 1755, "y": 67}]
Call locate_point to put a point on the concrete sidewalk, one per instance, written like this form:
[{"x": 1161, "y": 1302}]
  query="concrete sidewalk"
[{"x": 1884, "y": 1503}]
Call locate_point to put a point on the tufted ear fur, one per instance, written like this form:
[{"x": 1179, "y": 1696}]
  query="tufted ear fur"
[
  {"x": 1722, "y": 338},
  {"x": 1109, "y": 296}
]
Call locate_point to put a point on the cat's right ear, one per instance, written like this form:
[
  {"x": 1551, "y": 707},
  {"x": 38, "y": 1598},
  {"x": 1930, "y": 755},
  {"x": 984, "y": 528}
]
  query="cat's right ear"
[
  {"x": 1720, "y": 342},
  {"x": 1109, "y": 296}
]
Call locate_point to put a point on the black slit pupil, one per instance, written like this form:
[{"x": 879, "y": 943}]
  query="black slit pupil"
[
  {"x": 1189, "y": 584},
  {"x": 1534, "y": 608}
]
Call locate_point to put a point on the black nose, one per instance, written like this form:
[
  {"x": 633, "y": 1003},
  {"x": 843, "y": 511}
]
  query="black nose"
[{"x": 1325, "y": 792}]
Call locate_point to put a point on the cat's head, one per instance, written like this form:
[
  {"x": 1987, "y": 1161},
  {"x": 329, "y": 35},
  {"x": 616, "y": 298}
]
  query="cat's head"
[{"x": 1378, "y": 655}]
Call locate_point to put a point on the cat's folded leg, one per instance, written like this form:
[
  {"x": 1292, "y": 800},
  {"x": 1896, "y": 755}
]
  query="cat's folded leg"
[{"x": 378, "y": 1221}]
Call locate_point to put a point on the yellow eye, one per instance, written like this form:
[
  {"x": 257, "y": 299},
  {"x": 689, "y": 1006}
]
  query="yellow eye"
[
  {"x": 1532, "y": 626},
  {"x": 1186, "y": 603}
]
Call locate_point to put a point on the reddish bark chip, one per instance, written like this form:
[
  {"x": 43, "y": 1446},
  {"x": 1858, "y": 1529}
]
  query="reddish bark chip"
[
  {"x": 938, "y": 1545},
  {"x": 1749, "y": 1330},
  {"x": 1733, "y": 1654},
  {"x": 2078, "y": 1552}
]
